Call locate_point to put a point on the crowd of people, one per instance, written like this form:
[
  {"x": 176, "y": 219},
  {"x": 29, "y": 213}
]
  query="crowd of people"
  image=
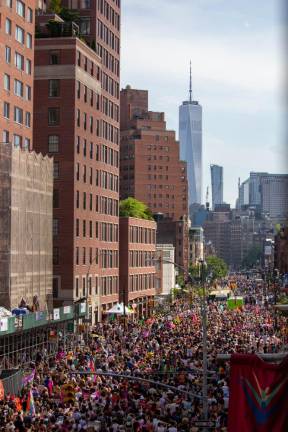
[{"x": 161, "y": 359}]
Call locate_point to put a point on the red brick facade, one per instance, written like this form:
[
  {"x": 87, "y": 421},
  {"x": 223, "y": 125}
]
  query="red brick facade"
[
  {"x": 137, "y": 273},
  {"x": 151, "y": 170},
  {"x": 73, "y": 123},
  {"x": 17, "y": 22}
]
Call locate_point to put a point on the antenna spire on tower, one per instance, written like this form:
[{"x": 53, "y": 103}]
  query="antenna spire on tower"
[{"x": 190, "y": 87}]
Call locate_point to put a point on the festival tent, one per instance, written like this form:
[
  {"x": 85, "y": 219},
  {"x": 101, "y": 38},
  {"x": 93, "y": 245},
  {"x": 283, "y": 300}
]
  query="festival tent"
[
  {"x": 4, "y": 312},
  {"x": 118, "y": 309}
]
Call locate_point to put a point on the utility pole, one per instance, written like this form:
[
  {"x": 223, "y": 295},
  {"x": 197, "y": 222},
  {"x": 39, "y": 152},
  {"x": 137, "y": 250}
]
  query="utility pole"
[{"x": 204, "y": 343}]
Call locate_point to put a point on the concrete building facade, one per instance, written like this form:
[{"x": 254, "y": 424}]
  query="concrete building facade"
[
  {"x": 167, "y": 258},
  {"x": 26, "y": 189},
  {"x": 196, "y": 245},
  {"x": 217, "y": 184},
  {"x": 71, "y": 125},
  {"x": 16, "y": 74},
  {"x": 274, "y": 196},
  {"x": 137, "y": 272}
]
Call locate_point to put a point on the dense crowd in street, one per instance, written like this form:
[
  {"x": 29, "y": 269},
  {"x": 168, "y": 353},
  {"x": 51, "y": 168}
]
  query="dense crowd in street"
[{"x": 167, "y": 349}]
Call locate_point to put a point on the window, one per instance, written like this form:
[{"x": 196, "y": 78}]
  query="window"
[
  {"x": 85, "y": 4},
  {"x": 54, "y": 88},
  {"x": 19, "y": 34},
  {"x": 5, "y": 136},
  {"x": 54, "y": 58},
  {"x": 55, "y": 198},
  {"x": 77, "y": 227},
  {"x": 84, "y": 262},
  {"x": 29, "y": 40},
  {"x": 28, "y": 66},
  {"x": 18, "y": 88},
  {"x": 78, "y": 145},
  {"x": 28, "y": 119},
  {"x": 78, "y": 84},
  {"x": 28, "y": 92},
  {"x": 84, "y": 25},
  {"x": 6, "y": 82},
  {"x": 8, "y": 26},
  {"x": 27, "y": 143},
  {"x": 9, "y": 3},
  {"x": 53, "y": 143},
  {"x": 84, "y": 228},
  {"x": 8, "y": 54},
  {"x": 77, "y": 280},
  {"x": 17, "y": 140},
  {"x": 77, "y": 263},
  {"x": 56, "y": 170},
  {"x": 20, "y": 8},
  {"x": 29, "y": 15},
  {"x": 6, "y": 110},
  {"x": 19, "y": 61},
  {"x": 18, "y": 115},
  {"x": 53, "y": 116},
  {"x": 55, "y": 226}
]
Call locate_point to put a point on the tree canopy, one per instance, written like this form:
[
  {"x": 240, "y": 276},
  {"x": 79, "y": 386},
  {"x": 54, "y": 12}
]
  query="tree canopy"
[
  {"x": 130, "y": 207},
  {"x": 215, "y": 268},
  {"x": 253, "y": 256}
]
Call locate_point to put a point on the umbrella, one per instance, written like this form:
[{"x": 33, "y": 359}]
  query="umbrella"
[
  {"x": 119, "y": 309},
  {"x": 20, "y": 311}
]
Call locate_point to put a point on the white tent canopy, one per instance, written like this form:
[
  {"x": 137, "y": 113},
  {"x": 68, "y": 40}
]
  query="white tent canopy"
[
  {"x": 4, "y": 312},
  {"x": 119, "y": 309}
]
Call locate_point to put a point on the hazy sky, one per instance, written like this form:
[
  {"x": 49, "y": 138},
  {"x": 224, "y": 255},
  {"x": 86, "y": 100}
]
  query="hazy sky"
[{"x": 237, "y": 53}]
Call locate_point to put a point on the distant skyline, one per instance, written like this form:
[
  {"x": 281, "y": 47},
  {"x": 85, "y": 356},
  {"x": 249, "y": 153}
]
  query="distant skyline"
[{"x": 237, "y": 54}]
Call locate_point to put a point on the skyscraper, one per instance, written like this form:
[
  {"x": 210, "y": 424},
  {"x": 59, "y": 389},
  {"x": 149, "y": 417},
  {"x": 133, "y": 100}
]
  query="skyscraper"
[
  {"x": 217, "y": 185},
  {"x": 190, "y": 137}
]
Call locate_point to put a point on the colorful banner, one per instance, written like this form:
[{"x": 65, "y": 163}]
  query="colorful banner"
[
  {"x": 258, "y": 395},
  {"x": 2, "y": 391},
  {"x": 28, "y": 378},
  {"x": 3, "y": 324},
  {"x": 56, "y": 314}
]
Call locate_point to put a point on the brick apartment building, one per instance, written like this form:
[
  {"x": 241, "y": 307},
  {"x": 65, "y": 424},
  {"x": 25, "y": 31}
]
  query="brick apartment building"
[
  {"x": 77, "y": 120},
  {"x": 16, "y": 75},
  {"x": 151, "y": 169},
  {"x": 137, "y": 272}
]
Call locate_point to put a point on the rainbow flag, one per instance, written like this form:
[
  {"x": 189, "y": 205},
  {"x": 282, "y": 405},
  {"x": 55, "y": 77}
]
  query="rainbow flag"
[{"x": 30, "y": 409}]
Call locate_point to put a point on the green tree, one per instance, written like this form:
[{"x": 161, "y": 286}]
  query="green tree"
[
  {"x": 69, "y": 15},
  {"x": 55, "y": 6},
  {"x": 130, "y": 207},
  {"x": 252, "y": 257},
  {"x": 216, "y": 267}
]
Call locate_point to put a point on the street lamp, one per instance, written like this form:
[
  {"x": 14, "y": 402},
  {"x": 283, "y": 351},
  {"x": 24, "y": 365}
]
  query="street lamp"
[{"x": 203, "y": 267}]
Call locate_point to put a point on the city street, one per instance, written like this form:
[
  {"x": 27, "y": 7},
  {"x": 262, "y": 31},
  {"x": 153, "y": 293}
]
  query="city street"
[{"x": 165, "y": 350}]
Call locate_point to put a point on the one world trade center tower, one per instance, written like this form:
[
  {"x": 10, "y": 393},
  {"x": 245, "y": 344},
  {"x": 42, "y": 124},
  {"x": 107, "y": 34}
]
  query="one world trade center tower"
[{"x": 190, "y": 137}]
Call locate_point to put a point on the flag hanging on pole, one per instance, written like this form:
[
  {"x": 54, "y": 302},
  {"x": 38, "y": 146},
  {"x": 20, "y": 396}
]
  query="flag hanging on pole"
[
  {"x": 30, "y": 408},
  {"x": 258, "y": 395}
]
